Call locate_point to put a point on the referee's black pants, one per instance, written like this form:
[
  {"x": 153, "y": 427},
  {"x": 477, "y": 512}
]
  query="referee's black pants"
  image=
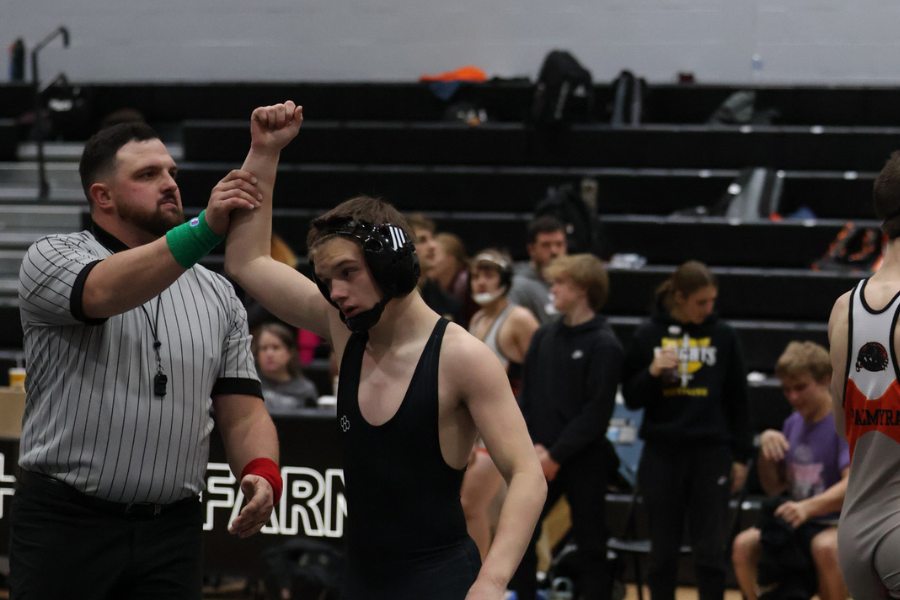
[
  {"x": 60, "y": 549},
  {"x": 583, "y": 479},
  {"x": 692, "y": 481}
]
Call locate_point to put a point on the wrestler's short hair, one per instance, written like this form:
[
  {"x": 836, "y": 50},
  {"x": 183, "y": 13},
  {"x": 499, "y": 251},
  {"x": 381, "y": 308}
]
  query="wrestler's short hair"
[
  {"x": 364, "y": 209},
  {"x": 886, "y": 196}
]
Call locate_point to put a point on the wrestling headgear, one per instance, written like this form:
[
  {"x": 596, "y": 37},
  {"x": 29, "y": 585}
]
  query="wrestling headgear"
[
  {"x": 492, "y": 260},
  {"x": 392, "y": 260}
]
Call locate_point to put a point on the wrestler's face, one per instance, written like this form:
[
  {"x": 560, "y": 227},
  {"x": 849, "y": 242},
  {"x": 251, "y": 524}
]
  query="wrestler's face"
[
  {"x": 484, "y": 280},
  {"x": 340, "y": 265},
  {"x": 807, "y": 396},
  {"x": 143, "y": 190}
]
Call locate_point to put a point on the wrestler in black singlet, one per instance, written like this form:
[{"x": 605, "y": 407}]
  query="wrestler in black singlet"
[{"x": 406, "y": 535}]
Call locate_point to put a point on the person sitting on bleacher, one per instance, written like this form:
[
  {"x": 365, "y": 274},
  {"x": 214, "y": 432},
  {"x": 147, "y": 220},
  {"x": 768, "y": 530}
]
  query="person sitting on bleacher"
[{"x": 809, "y": 462}]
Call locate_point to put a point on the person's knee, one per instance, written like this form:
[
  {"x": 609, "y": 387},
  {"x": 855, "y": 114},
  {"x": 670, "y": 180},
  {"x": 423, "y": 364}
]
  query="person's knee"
[
  {"x": 824, "y": 550},
  {"x": 745, "y": 549}
]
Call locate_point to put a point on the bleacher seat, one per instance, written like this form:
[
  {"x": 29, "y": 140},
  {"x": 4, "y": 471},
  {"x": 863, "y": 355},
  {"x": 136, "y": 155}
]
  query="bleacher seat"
[
  {"x": 481, "y": 182},
  {"x": 509, "y": 144},
  {"x": 9, "y": 139}
]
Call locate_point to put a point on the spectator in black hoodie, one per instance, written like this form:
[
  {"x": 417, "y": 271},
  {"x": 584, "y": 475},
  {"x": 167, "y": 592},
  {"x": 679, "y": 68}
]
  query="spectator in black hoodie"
[
  {"x": 685, "y": 368},
  {"x": 569, "y": 381}
]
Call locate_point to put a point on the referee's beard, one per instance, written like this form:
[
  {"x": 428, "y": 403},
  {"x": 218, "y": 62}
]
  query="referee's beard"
[{"x": 158, "y": 222}]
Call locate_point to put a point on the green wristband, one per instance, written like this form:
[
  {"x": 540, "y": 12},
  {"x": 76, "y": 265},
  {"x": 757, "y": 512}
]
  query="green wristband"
[{"x": 191, "y": 241}]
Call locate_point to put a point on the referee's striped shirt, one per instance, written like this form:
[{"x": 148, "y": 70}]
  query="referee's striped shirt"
[{"x": 91, "y": 417}]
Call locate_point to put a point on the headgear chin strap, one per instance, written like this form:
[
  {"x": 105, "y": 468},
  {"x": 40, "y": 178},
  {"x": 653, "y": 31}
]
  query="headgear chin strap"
[
  {"x": 365, "y": 320},
  {"x": 392, "y": 260}
]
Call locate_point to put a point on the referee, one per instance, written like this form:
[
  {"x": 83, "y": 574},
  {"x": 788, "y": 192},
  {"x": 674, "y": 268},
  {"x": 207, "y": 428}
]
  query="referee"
[{"x": 132, "y": 351}]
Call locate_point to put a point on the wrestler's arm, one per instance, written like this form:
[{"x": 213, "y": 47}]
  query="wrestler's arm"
[
  {"x": 838, "y": 330},
  {"x": 284, "y": 291},
  {"x": 521, "y": 325},
  {"x": 485, "y": 390}
]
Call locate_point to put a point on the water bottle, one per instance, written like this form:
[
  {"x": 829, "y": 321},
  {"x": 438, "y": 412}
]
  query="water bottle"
[
  {"x": 562, "y": 589},
  {"x": 756, "y": 64}
]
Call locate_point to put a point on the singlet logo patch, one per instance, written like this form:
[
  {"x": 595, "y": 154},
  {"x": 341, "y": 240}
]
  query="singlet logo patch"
[
  {"x": 345, "y": 423},
  {"x": 872, "y": 357}
]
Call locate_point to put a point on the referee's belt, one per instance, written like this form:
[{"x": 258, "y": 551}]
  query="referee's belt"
[{"x": 54, "y": 487}]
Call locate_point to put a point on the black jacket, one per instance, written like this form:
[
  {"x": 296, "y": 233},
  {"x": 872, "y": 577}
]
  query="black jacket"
[
  {"x": 707, "y": 402},
  {"x": 569, "y": 381}
]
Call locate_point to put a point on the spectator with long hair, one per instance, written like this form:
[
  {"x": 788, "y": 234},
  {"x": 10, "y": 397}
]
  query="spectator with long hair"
[
  {"x": 284, "y": 387},
  {"x": 449, "y": 267},
  {"x": 685, "y": 368}
]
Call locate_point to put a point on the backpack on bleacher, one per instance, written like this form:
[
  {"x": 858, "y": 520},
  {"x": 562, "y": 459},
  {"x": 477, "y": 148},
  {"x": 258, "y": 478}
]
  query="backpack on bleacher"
[
  {"x": 855, "y": 248},
  {"x": 564, "y": 91},
  {"x": 582, "y": 226},
  {"x": 740, "y": 109}
]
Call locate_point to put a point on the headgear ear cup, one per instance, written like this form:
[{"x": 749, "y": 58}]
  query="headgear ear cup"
[{"x": 392, "y": 259}]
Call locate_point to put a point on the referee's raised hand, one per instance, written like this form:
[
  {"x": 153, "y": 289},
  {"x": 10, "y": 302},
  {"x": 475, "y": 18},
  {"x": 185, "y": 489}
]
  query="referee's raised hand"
[{"x": 235, "y": 191}]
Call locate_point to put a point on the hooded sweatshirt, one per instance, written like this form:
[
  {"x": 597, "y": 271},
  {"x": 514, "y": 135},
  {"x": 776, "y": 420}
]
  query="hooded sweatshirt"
[
  {"x": 569, "y": 381},
  {"x": 705, "y": 399}
]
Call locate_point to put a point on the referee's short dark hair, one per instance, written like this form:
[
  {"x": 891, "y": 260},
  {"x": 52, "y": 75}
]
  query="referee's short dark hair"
[{"x": 99, "y": 155}]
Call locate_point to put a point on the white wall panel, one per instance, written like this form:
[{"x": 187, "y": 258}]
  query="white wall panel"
[{"x": 802, "y": 41}]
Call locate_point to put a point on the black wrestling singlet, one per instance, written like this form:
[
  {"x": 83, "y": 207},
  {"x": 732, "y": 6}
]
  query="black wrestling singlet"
[{"x": 406, "y": 533}]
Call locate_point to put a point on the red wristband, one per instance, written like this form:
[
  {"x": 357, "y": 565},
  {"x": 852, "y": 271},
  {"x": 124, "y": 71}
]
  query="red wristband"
[{"x": 268, "y": 470}]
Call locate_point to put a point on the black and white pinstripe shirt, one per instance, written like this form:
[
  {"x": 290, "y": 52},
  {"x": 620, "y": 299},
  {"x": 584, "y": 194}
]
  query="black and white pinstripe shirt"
[{"x": 91, "y": 418}]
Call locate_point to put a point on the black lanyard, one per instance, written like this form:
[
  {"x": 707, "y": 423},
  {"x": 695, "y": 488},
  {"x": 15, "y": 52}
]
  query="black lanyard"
[{"x": 159, "y": 380}]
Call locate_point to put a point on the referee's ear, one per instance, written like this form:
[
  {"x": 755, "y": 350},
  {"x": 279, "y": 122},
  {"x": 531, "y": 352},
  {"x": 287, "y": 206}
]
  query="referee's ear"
[{"x": 100, "y": 197}]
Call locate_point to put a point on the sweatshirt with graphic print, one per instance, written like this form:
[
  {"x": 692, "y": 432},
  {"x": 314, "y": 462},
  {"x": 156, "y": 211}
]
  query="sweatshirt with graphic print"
[{"x": 704, "y": 400}]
